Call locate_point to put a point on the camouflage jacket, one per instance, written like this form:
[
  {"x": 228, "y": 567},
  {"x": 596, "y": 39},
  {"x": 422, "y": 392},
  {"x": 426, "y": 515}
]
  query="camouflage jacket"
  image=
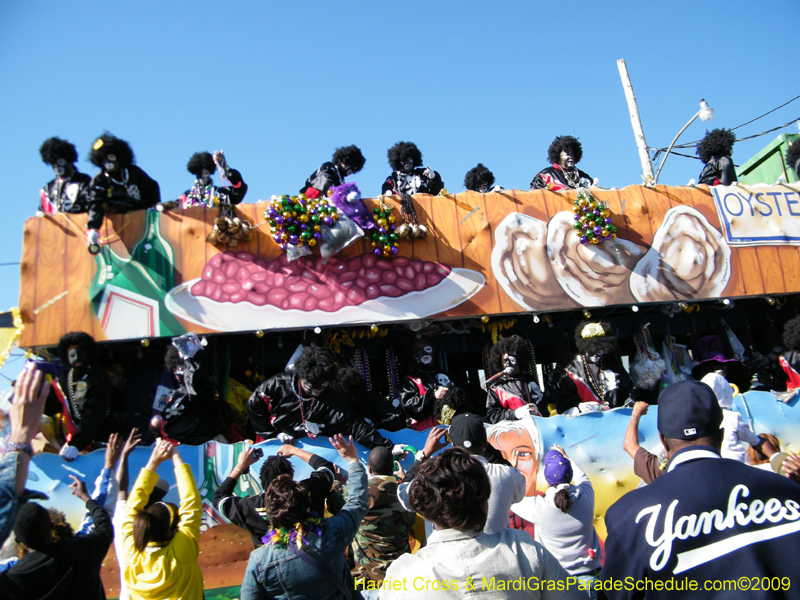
[{"x": 383, "y": 534}]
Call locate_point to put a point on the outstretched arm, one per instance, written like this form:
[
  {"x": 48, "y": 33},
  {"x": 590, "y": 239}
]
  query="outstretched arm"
[
  {"x": 122, "y": 467},
  {"x": 631, "y": 443}
]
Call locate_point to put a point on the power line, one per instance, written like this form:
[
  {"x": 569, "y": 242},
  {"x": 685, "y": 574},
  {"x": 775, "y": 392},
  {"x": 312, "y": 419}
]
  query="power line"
[{"x": 8, "y": 264}]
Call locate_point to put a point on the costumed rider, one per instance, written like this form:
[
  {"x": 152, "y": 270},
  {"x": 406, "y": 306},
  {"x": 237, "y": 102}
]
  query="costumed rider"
[
  {"x": 421, "y": 387},
  {"x": 302, "y": 403},
  {"x": 204, "y": 193},
  {"x": 92, "y": 410},
  {"x": 120, "y": 186},
  {"x": 790, "y": 360},
  {"x": 793, "y": 157},
  {"x": 515, "y": 394},
  {"x": 190, "y": 412},
  {"x": 480, "y": 179},
  {"x": 408, "y": 176},
  {"x": 563, "y": 154},
  {"x": 346, "y": 161},
  {"x": 715, "y": 151},
  {"x": 69, "y": 191},
  {"x": 595, "y": 379},
  {"x": 711, "y": 353}
]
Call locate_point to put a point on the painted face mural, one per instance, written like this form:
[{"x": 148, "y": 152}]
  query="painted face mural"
[{"x": 521, "y": 445}]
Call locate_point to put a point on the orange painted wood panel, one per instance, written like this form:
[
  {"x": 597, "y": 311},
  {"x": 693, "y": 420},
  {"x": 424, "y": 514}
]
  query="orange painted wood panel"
[{"x": 463, "y": 226}]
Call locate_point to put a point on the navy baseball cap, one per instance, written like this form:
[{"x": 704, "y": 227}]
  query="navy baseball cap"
[
  {"x": 688, "y": 410},
  {"x": 467, "y": 431}
]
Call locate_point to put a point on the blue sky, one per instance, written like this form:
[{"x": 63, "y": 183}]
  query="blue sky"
[{"x": 280, "y": 85}]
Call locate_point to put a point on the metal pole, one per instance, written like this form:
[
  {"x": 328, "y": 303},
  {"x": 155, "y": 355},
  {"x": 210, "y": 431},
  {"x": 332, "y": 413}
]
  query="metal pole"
[
  {"x": 636, "y": 123},
  {"x": 666, "y": 156}
]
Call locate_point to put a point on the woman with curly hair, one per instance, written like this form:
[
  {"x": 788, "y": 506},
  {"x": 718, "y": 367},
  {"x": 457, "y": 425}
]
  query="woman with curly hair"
[
  {"x": 715, "y": 151},
  {"x": 120, "y": 186},
  {"x": 451, "y": 490},
  {"x": 303, "y": 555},
  {"x": 563, "y": 154},
  {"x": 161, "y": 543},
  {"x": 69, "y": 191},
  {"x": 408, "y": 176}
]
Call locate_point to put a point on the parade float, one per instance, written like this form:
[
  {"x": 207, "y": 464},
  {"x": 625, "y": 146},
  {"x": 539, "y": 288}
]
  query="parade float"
[{"x": 467, "y": 268}]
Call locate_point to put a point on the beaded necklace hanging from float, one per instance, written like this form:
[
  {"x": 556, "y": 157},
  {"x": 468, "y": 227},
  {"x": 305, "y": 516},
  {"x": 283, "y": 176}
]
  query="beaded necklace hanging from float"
[
  {"x": 593, "y": 221},
  {"x": 362, "y": 360},
  {"x": 598, "y": 388},
  {"x": 391, "y": 374},
  {"x": 282, "y": 537},
  {"x": 297, "y": 220},
  {"x": 385, "y": 241}
]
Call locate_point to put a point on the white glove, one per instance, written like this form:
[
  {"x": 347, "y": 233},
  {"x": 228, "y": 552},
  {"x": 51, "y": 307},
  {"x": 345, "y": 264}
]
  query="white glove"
[
  {"x": 523, "y": 412},
  {"x": 429, "y": 173},
  {"x": 39, "y": 213},
  {"x": 69, "y": 452},
  {"x": 508, "y": 370},
  {"x": 92, "y": 237},
  {"x": 285, "y": 438},
  {"x": 398, "y": 450}
]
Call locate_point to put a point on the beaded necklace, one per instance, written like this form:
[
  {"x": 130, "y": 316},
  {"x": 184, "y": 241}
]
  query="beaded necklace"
[
  {"x": 202, "y": 195},
  {"x": 599, "y": 390},
  {"x": 300, "y": 399},
  {"x": 281, "y": 537},
  {"x": 71, "y": 388}
]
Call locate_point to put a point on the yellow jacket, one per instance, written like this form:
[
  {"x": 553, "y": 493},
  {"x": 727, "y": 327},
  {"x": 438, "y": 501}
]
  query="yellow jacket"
[{"x": 168, "y": 572}]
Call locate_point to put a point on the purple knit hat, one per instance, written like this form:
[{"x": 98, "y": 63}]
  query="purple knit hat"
[{"x": 557, "y": 468}]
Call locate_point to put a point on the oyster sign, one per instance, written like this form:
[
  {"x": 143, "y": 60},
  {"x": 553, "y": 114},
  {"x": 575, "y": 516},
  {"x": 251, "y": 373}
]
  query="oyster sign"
[{"x": 758, "y": 215}]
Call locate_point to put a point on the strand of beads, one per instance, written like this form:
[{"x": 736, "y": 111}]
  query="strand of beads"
[
  {"x": 384, "y": 239},
  {"x": 592, "y": 220},
  {"x": 297, "y": 220}
]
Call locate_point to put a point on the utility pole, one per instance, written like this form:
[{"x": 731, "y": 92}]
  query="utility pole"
[{"x": 636, "y": 123}]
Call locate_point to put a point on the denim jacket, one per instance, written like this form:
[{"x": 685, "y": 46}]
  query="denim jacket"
[{"x": 274, "y": 572}]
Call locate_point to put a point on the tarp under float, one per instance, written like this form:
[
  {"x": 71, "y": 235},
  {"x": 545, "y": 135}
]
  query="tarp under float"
[
  {"x": 488, "y": 254},
  {"x": 594, "y": 441}
]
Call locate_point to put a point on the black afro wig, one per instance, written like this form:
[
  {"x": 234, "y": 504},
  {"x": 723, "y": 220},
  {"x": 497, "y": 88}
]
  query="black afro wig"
[
  {"x": 108, "y": 144},
  {"x": 513, "y": 345},
  {"x": 791, "y": 334},
  {"x": 589, "y": 342},
  {"x": 200, "y": 161},
  {"x": 401, "y": 152},
  {"x": 350, "y": 157},
  {"x": 478, "y": 177},
  {"x": 77, "y": 338},
  {"x": 717, "y": 142},
  {"x": 316, "y": 365},
  {"x": 457, "y": 399},
  {"x": 54, "y": 148},
  {"x": 564, "y": 142},
  {"x": 792, "y": 157}
]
